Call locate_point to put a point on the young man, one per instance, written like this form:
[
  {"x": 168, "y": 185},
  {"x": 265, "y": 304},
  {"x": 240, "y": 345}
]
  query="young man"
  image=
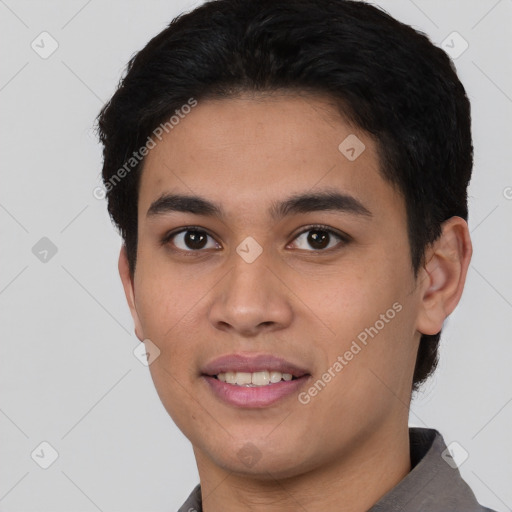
[{"x": 289, "y": 179}]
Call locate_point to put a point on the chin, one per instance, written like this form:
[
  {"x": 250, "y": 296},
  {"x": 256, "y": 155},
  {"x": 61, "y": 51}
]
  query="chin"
[{"x": 262, "y": 461}]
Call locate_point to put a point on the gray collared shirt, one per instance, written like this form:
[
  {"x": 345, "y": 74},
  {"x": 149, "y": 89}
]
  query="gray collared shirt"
[{"x": 432, "y": 485}]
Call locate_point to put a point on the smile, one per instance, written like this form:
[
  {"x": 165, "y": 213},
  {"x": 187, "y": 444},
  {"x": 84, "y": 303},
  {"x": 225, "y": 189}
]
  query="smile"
[
  {"x": 254, "y": 379},
  {"x": 249, "y": 380}
]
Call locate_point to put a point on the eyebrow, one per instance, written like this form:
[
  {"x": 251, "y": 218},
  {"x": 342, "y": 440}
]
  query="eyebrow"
[{"x": 325, "y": 200}]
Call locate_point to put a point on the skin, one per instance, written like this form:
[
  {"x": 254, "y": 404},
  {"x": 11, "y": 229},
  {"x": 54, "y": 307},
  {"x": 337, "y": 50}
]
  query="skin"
[{"x": 349, "y": 445}]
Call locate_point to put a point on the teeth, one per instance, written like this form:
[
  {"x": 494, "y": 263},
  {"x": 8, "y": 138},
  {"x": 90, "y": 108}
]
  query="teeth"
[
  {"x": 262, "y": 378},
  {"x": 243, "y": 378},
  {"x": 275, "y": 376},
  {"x": 230, "y": 377}
]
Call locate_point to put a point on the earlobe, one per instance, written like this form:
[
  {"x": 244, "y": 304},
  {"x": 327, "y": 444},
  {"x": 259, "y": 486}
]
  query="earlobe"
[
  {"x": 129, "y": 290},
  {"x": 444, "y": 274}
]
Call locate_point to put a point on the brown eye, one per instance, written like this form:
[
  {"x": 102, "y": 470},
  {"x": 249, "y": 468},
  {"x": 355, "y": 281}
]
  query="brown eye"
[
  {"x": 319, "y": 238},
  {"x": 191, "y": 240},
  {"x": 195, "y": 239}
]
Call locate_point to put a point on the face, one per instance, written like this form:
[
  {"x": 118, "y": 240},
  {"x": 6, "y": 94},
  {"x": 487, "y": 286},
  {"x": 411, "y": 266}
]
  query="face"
[{"x": 295, "y": 263}]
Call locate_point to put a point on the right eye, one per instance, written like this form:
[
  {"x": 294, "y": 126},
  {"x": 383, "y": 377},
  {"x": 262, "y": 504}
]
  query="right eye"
[{"x": 190, "y": 239}]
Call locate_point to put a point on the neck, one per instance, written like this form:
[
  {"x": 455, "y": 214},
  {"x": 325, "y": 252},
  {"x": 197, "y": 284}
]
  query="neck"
[{"x": 352, "y": 482}]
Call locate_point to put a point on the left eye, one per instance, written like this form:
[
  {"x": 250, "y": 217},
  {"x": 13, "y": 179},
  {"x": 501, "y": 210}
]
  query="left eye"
[{"x": 319, "y": 237}]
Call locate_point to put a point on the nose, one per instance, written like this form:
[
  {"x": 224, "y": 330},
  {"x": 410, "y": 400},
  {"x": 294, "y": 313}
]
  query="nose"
[{"x": 251, "y": 299}]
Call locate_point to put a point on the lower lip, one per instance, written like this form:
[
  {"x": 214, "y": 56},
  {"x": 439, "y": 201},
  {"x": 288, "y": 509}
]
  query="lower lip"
[{"x": 257, "y": 396}]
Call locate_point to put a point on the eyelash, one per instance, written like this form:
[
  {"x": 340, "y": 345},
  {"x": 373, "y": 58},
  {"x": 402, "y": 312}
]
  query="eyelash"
[{"x": 344, "y": 239}]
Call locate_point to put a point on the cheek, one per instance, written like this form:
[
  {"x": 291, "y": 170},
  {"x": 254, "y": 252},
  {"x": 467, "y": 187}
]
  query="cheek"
[
  {"x": 348, "y": 301},
  {"x": 371, "y": 318},
  {"x": 166, "y": 295},
  {"x": 377, "y": 360},
  {"x": 168, "y": 308},
  {"x": 168, "y": 312}
]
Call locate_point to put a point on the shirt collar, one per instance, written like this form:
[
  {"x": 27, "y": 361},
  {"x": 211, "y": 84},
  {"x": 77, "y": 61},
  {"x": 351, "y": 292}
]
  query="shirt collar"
[{"x": 434, "y": 482}]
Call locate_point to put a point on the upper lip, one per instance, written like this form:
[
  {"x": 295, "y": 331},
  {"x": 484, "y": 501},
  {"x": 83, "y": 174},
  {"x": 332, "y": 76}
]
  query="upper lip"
[{"x": 251, "y": 363}]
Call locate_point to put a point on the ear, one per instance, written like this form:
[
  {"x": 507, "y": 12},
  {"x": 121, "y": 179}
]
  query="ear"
[
  {"x": 127, "y": 280},
  {"x": 442, "y": 278}
]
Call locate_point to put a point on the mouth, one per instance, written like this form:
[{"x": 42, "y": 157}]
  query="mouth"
[
  {"x": 254, "y": 379},
  {"x": 247, "y": 380}
]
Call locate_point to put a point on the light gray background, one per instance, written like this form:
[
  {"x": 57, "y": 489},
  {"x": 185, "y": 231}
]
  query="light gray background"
[{"x": 68, "y": 374}]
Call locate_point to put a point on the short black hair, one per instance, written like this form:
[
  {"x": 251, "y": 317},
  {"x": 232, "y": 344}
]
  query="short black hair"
[{"x": 386, "y": 77}]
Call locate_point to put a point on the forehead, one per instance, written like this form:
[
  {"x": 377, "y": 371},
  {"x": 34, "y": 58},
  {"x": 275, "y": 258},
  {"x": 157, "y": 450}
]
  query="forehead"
[{"x": 244, "y": 153}]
